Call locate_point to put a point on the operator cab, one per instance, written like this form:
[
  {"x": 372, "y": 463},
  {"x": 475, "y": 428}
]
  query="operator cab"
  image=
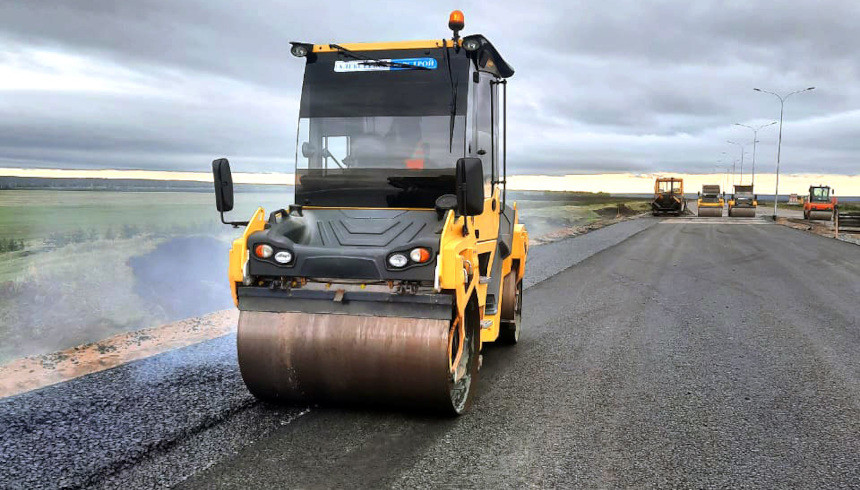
[
  {"x": 669, "y": 186},
  {"x": 710, "y": 193},
  {"x": 383, "y": 125},
  {"x": 819, "y": 193},
  {"x": 391, "y": 136}
]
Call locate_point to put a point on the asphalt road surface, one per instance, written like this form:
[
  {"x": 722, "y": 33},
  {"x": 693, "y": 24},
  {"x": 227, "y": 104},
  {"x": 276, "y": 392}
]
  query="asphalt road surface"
[
  {"x": 690, "y": 355},
  {"x": 677, "y": 353}
]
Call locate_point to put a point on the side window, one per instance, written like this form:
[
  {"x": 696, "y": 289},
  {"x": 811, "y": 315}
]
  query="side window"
[
  {"x": 338, "y": 150},
  {"x": 481, "y": 145}
]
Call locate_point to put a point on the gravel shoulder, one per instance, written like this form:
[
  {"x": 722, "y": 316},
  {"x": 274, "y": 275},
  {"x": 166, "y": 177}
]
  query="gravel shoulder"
[{"x": 155, "y": 421}]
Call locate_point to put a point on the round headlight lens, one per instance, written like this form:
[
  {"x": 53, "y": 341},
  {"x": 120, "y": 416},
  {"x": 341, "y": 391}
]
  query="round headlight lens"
[
  {"x": 283, "y": 257},
  {"x": 419, "y": 255},
  {"x": 471, "y": 44},
  {"x": 263, "y": 251},
  {"x": 398, "y": 260}
]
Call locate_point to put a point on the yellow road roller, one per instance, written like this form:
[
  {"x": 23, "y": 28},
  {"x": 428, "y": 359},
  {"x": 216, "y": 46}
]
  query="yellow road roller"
[
  {"x": 710, "y": 203},
  {"x": 743, "y": 202},
  {"x": 401, "y": 256}
]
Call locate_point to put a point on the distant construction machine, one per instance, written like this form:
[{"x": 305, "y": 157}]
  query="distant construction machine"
[
  {"x": 668, "y": 196},
  {"x": 820, "y": 203},
  {"x": 743, "y": 202},
  {"x": 401, "y": 257},
  {"x": 710, "y": 201}
]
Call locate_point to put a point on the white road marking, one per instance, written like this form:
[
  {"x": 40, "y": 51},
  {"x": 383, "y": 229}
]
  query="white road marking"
[{"x": 716, "y": 221}]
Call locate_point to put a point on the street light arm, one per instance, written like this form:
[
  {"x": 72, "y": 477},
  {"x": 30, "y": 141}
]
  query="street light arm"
[
  {"x": 799, "y": 91},
  {"x": 771, "y": 93}
]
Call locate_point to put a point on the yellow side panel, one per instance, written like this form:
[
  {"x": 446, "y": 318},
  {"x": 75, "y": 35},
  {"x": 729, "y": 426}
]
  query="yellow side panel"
[
  {"x": 519, "y": 251},
  {"x": 459, "y": 253},
  {"x": 425, "y": 44},
  {"x": 455, "y": 251},
  {"x": 239, "y": 251}
]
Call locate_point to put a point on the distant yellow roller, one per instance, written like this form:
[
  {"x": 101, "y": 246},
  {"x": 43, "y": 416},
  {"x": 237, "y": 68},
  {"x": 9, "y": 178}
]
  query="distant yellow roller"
[
  {"x": 743, "y": 202},
  {"x": 710, "y": 202}
]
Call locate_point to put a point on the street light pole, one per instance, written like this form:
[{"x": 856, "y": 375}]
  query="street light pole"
[
  {"x": 724, "y": 169},
  {"x": 742, "y": 158},
  {"x": 782, "y": 100},
  {"x": 755, "y": 140}
]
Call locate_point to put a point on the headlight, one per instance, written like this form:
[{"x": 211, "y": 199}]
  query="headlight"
[
  {"x": 419, "y": 255},
  {"x": 263, "y": 251},
  {"x": 471, "y": 44},
  {"x": 283, "y": 257},
  {"x": 398, "y": 260},
  {"x": 299, "y": 50}
]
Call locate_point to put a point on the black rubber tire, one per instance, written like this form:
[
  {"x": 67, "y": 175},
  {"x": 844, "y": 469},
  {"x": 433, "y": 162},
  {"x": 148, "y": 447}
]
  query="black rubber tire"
[
  {"x": 461, "y": 402},
  {"x": 511, "y": 317}
]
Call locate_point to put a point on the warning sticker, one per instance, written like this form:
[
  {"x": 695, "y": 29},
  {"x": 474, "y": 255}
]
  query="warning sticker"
[{"x": 384, "y": 64}]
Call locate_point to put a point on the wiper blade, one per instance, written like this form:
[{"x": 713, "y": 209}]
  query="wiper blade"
[
  {"x": 453, "y": 97},
  {"x": 393, "y": 64},
  {"x": 375, "y": 62}
]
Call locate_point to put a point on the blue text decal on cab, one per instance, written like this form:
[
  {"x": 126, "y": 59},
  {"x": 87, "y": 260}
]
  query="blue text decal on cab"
[{"x": 371, "y": 65}]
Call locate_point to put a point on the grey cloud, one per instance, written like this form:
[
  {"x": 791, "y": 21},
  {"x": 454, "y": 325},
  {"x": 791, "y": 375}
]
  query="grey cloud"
[{"x": 600, "y": 86}]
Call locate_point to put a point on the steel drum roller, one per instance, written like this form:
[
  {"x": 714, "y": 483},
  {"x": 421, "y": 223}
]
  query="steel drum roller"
[
  {"x": 710, "y": 211},
  {"x": 304, "y": 357},
  {"x": 742, "y": 212},
  {"x": 821, "y": 215}
]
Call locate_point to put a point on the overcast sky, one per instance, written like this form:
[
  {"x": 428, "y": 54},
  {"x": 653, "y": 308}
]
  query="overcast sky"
[{"x": 600, "y": 86}]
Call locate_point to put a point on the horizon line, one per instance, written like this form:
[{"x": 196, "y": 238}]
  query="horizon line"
[{"x": 613, "y": 182}]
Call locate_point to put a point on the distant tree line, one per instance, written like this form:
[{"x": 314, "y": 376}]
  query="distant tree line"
[{"x": 123, "y": 185}]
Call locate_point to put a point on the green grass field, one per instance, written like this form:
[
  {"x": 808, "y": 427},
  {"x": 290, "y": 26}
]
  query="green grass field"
[
  {"x": 36, "y": 215},
  {"x": 74, "y": 281}
]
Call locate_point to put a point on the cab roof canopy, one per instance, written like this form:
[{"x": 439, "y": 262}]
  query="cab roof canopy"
[{"x": 485, "y": 57}]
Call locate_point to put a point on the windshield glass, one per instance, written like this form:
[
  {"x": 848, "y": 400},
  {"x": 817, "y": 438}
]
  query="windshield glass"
[
  {"x": 820, "y": 193},
  {"x": 673, "y": 187},
  {"x": 372, "y": 136}
]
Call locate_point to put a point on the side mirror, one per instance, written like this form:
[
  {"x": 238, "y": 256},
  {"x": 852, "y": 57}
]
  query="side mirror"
[
  {"x": 308, "y": 150},
  {"x": 223, "y": 185},
  {"x": 470, "y": 186}
]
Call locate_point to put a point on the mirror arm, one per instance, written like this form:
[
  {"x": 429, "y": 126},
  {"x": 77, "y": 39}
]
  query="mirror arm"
[{"x": 234, "y": 224}]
